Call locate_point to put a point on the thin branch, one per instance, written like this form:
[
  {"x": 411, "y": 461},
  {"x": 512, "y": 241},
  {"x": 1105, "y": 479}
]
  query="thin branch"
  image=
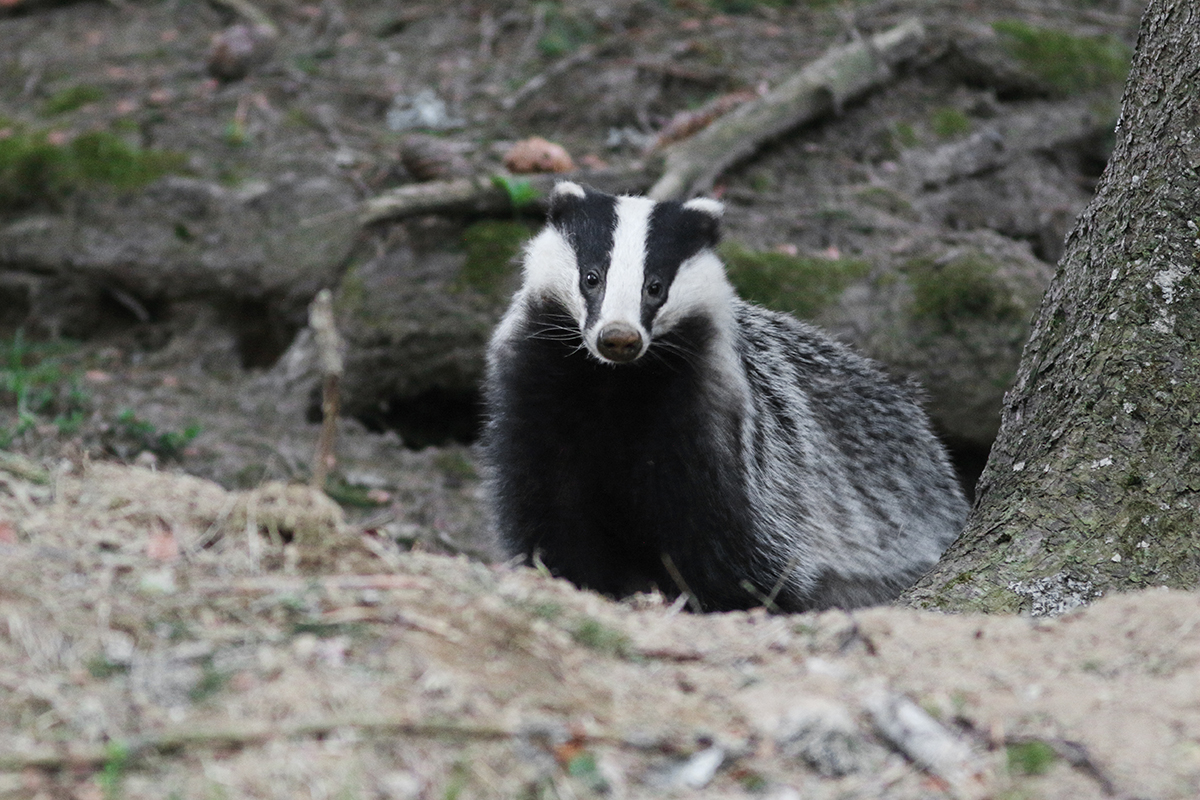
[
  {"x": 483, "y": 195},
  {"x": 258, "y": 733},
  {"x": 684, "y": 589},
  {"x": 250, "y": 12},
  {"x": 585, "y": 53}
]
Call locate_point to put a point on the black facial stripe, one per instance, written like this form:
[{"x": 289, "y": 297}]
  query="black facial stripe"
[
  {"x": 589, "y": 223},
  {"x": 676, "y": 234}
]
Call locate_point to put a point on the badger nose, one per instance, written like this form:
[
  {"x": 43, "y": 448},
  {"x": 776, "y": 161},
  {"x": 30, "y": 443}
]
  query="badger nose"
[{"x": 618, "y": 342}]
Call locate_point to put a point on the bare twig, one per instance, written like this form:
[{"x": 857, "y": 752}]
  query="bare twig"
[
  {"x": 684, "y": 589},
  {"x": 251, "y": 734},
  {"x": 1076, "y": 754},
  {"x": 488, "y": 29},
  {"x": 482, "y": 195},
  {"x": 250, "y": 12},
  {"x": 282, "y": 584},
  {"x": 21, "y": 467},
  {"x": 320, "y": 319},
  {"x": 584, "y": 53}
]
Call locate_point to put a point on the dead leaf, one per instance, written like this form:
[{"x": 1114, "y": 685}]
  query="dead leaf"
[
  {"x": 536, "y": 154},
  {"x": 162, "y": 545}
]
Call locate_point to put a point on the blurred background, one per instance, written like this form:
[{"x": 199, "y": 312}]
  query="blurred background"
[{"x": 178, "y": 179}]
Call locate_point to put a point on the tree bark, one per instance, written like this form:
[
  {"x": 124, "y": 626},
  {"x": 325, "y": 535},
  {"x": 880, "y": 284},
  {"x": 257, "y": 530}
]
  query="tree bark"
[{"x": 1093, "y": 484}]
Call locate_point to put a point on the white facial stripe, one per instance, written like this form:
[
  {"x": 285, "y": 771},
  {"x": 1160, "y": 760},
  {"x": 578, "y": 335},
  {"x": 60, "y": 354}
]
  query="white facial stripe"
[
  {"x": 550, "y": 271},
  {"x": 700, "y": 285},
  {"x": 626, "y": 272}
]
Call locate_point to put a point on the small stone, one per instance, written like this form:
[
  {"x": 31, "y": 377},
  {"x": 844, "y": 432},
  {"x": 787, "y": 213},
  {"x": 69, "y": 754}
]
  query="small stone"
[
  {"x": 699, "y": 770},
  {"x": 424, "y": 110},
  {"x": 428, "y": 158},
  {"x": 238, "y": 49},
  {"x": 823, "y": 735}
]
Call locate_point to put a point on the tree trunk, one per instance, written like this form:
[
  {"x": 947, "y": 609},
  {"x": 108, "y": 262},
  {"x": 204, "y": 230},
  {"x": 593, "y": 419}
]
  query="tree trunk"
[{"x": 1093, "y": 485}]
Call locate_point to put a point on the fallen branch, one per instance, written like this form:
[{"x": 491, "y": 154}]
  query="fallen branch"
[
  {"x": 279, "y": 584},
  {"x": 251, "y": 733},
  {"x": 925, "y": 741},
  {"x": 483, "y": 195},
  {"x": 248, "y": 734},
  {"x": 689, "y": 123},
  {"x": 842, "y": 74}
]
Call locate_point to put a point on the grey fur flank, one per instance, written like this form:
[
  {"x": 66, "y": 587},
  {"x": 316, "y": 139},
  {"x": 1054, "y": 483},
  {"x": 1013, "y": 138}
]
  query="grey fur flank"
[{"x": 834, "y": 448}]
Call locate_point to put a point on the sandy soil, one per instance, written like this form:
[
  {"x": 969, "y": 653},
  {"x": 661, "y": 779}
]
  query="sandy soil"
[{"x": 163, "y": 637}]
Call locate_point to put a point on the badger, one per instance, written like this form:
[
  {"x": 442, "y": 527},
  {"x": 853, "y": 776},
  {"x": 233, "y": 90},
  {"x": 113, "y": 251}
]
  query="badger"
[{"x": 647, "y": 428}]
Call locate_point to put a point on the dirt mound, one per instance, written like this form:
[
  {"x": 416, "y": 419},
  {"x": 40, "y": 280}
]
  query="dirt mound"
[{"x": 163, "y": 637}]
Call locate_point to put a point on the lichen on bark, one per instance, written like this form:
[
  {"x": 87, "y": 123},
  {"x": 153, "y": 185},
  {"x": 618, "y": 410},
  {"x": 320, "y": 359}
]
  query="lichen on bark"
[{"x": 1093, "y": 485}]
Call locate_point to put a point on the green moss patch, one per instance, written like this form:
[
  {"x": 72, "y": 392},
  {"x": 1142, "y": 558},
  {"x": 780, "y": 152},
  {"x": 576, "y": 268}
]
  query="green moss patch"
[
  {"x": 1071, "y": 64},
  {"x": 352, "y": 495},
  {"x": 492, "y": 247},
  {"x": 599, "y": 637},
  {"x": 887, "y": 200},
  {"x": 948, "y": 122},
  {"x": 794, "y": 284},
  {"x": 565, "y": 31},
  {"x": 963, "y": 289},
  {"x": 455, "y": 466},
  {"x": 35, "y": 170},
  {"x": 905, "y": 135},
  {"x": 71, "y": 98},
  {"x": 1031, "y": 758}
]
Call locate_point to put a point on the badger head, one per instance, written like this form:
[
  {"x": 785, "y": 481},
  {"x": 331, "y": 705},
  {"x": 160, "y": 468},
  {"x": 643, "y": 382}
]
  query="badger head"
[{"x": 627, "y": 269}]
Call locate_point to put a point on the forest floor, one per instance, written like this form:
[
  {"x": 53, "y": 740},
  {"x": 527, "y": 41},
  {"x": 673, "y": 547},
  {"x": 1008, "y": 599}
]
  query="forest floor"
[
  {"x": 164, "y": 637},
  {"x": 176, "y": 623}
]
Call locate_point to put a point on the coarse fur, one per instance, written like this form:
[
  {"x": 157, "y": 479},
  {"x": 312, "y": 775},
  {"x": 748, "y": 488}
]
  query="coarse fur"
[{"x": 648, "y": 428}]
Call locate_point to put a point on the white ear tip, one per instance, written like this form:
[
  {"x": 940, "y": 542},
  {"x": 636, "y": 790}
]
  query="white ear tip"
[
  {"x": 564, "y": 188},
  {"x": 706, "y": 205}
]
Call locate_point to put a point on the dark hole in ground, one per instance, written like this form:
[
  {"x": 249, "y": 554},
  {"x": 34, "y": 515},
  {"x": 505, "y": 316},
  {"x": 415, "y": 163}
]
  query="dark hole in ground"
[
  {"x": 433, "y": 418},
  {"x": 14, "y": 308},
  {"x": 88, "y": 313},
  {"x": 262, "y": 333}
]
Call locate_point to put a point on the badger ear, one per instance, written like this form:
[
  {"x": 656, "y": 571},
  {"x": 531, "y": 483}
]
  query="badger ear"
[
  {"x": 564, "y": 195},
  {"x": 708, "y": 217},
  {"x": 706, "y": 205}
]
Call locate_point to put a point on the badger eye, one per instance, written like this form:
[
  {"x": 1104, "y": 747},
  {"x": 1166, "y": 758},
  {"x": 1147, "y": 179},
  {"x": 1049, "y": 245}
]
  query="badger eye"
[
  {"x": 654, "y": 289},
  {"x": 592, "y": 279}
]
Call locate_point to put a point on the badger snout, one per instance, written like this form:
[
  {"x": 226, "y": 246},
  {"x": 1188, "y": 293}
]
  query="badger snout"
[{"x": 619, "y": 342}]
